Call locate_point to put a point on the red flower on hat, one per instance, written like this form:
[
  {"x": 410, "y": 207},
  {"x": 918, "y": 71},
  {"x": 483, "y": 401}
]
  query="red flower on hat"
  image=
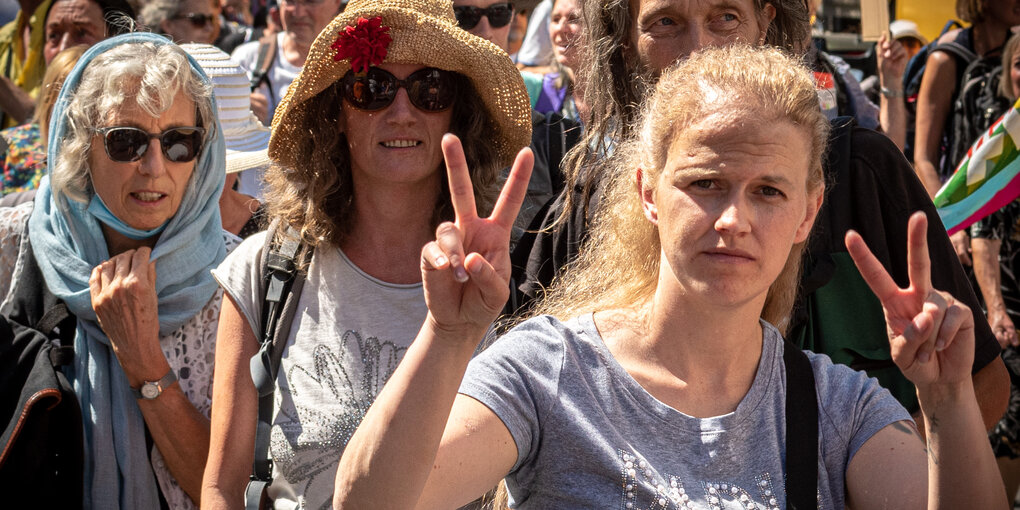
[{"x": 365, "y": 43}]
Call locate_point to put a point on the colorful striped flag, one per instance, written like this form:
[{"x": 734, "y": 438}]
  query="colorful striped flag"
[{"x": 987, "y": 178}]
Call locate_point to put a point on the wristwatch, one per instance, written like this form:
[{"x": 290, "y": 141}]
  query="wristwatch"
[
  {"x": 887, "y": 92},
  {"x": 152, "y": 389}
]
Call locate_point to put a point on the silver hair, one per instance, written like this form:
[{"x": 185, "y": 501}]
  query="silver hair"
[
  {"x": 150, "y": 74},
  {"x": 156, "y": 12}
]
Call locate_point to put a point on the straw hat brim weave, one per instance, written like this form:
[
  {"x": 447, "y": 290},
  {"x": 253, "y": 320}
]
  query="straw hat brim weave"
[{"x": 424, "y": 32}]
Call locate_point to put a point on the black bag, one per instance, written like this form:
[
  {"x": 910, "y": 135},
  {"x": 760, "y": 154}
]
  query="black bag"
[
  {"x": 42, "y": 443},
  {"x": 915, "y": 72},
  {"x": 977, "y": 105}
]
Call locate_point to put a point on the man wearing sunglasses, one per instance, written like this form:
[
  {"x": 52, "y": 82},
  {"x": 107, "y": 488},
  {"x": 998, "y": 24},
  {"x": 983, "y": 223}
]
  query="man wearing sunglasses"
[{"x": 278, "y": 59}]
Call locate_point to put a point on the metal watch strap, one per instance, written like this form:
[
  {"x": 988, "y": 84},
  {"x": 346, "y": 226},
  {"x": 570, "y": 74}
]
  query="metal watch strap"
[
  {"x": 887, "y": 92},
  {"x": 161, "y": 385}
]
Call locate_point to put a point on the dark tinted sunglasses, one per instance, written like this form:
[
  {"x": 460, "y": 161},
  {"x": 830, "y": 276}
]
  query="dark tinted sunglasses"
[
  {"x": 429, "y": 89},
  {"x": 127, "y": 144},
  {"x": 198, "y": 20},
  {"x": 468, "y": 16}
]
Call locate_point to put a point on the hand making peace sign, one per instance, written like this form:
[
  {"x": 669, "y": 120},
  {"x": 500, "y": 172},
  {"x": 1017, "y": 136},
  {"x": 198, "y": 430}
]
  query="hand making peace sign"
[
  {"x": 466, "y": 270},
  {"x": 931, "y": 334}
]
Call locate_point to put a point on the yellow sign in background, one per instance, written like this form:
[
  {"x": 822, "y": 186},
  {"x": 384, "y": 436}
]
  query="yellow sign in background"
[{"x": 930, "y": 15}]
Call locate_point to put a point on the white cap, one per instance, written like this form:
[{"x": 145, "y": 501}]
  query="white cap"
[
  {"x": 905, "y": 28},
  {"x": 246, "y": 138}
]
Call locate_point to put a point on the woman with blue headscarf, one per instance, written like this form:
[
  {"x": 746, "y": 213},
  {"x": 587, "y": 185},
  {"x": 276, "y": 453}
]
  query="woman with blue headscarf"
[{"x": 124, "y": 230}]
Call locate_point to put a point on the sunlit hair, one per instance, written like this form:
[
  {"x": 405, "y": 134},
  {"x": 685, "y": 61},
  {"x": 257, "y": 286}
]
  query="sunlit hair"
[
  {"x": 614, "y": 84},
  {"x": 155, "y": 12},
  {"x": 619, "y": 266},
  {"x": 150, "y": 74},
  {"x": 56, "y": 71},
  {"x": 316, "y": 198},
  {"x": 1005, "y": 81},
  {"x": 972, "y": 11}
]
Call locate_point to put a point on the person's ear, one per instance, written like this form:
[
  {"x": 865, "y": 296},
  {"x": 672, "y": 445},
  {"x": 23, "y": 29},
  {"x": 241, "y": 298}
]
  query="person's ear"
[
  {"x": 765, "y": 19},
  {"x": 814, "y": 204},
  {"x": 647, "y": 190}
]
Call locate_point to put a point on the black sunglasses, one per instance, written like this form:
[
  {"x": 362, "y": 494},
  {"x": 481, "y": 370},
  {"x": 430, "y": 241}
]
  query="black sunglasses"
[
  {"x": 198, "y": 20},
  {"x": 469, "y": 16},
  {"x": 429, "y": 89},
  {"x": 127, "y": 144}
]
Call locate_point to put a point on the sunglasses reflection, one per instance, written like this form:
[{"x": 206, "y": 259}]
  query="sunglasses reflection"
[{"x": 126, "y": 144}]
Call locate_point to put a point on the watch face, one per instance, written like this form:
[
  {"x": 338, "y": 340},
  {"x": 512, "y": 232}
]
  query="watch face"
[{"x": 150, "y": 390}]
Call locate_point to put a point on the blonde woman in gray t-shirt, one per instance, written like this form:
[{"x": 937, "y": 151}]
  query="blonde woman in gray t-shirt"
[{"x": 655, "y": 383}]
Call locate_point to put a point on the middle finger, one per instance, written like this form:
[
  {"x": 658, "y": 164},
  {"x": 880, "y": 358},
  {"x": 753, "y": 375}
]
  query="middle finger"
[{"x": 918, "y": 262}]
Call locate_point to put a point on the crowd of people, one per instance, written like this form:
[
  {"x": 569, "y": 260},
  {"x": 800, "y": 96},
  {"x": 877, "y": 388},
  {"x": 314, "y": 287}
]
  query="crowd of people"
[{"x": 503, "y": 254}]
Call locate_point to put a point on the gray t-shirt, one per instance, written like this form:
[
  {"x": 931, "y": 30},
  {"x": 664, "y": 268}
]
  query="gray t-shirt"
[
  {"x": 589, "y": 436},
  {"x": 350, "y": 332}
]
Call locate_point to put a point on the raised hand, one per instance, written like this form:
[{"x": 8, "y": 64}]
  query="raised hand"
[
  {"x": 931, "y": 335},
  {"x": 892, "y": 60},
  {"x": 466, "y": 270},
  {"x": 123, "y": 291}
]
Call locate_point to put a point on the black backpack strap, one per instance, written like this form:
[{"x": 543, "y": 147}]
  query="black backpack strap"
[
  {"x": 283, "y": 277},
  {"x": 801, "y": 430},
  {"x": 260, "y": 74},
  {"x": 957, "y": 50}
]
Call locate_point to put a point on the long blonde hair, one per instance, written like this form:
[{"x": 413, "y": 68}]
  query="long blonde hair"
[
  {"x": 56, "y": 73},
  {"x": 619, "y": 265}
]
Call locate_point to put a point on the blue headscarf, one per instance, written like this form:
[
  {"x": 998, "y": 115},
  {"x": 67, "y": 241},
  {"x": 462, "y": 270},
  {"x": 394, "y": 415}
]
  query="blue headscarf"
[{"x": 68, "y": 242}]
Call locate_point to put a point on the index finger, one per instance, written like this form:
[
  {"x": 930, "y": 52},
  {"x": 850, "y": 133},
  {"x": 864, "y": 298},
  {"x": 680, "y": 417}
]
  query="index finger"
[
  {"x": 142, "y": 266},
  {"x": 461, "y": 191},
  {"x": 514, "y": 190},
  {"x": 871, "y": 269},
  {"x": 918, "y": 262}
]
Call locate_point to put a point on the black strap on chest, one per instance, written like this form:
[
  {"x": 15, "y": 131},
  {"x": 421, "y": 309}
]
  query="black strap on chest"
[
  {"x": 282, "y": 271},
  {"x": 263, "y": 63},
  {"x": 801, "y": 430}
]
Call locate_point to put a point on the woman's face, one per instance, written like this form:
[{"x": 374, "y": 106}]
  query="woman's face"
[
  {"x": 564, "y": 30},
  {"x": 730, "y": 203},
  {"x": 197, "y": 22},
  {"x": 1014, "y": 74},
  {"x": 664, "y": 31},
  {"x": 500, "y": 36},
  {"x": 144, "y": 193},
  {"x": 399, "y": 144}
]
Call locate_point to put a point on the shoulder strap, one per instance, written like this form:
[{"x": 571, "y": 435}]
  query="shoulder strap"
[
  {"x": 267, "y": 52},
  {"x": 282, "y": 275},
  {"x": 957, "y": 50},
  {"x": 60, "y": 323},
  {"x": 801, "y": 430}
]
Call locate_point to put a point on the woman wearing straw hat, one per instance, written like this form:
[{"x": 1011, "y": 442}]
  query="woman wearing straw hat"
[
  {"x": 246, "y": 139},
  {"x": 357, "y": 154}
]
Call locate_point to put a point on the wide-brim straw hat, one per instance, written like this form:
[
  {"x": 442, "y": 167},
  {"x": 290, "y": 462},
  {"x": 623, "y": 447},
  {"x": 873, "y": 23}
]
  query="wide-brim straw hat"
[
  {"x": 247, "y": 140},
  {"x": 424, "y": 32}
]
